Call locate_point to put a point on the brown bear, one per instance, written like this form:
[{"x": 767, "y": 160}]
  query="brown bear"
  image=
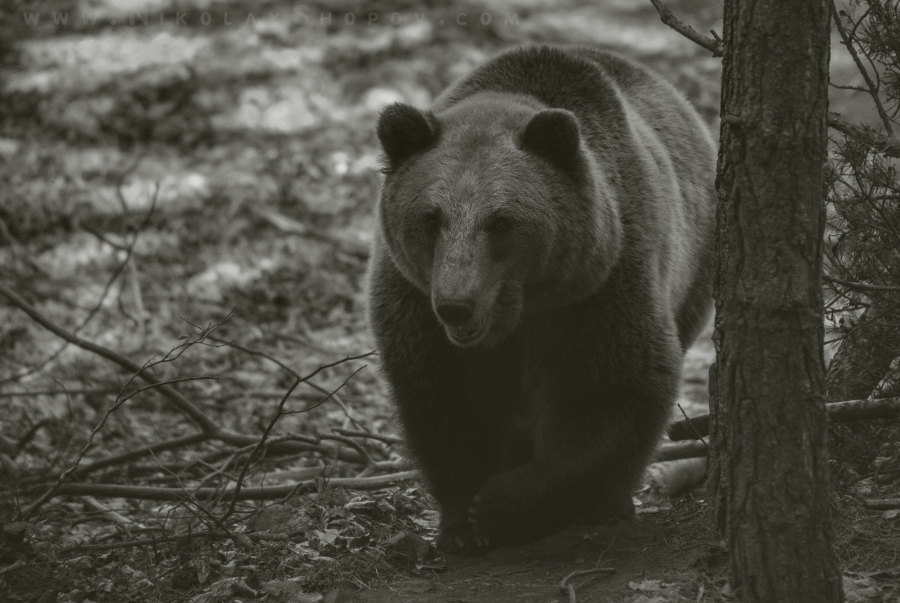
[{"x": 543, "y": 258}]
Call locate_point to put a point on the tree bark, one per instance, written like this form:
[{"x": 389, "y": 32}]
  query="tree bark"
[{"x": 769, "y": 471}]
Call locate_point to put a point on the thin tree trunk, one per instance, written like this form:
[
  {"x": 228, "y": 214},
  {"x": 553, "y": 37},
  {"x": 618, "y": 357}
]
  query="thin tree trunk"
[{"x": 769, "y": 468}]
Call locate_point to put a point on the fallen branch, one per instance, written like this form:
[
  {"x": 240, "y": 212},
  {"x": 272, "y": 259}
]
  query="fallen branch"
[
  {"x": 713, "y": 45},
  {"x": 883, "y": 504},
  {"x": 838, "y": 412},
  {"x": 386, "y": 439},
  {"x": 681, "y": 450},
  {"x": 131, "y": 455},
  {"x": 861, "y": 410},
  {"x": 673, "y": 478},
  {"x": 254, "y": 536},
  {"x": 256, "y": 493}
]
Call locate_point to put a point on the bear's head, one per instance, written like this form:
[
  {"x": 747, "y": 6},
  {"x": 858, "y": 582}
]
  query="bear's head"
[{"x": 495, "y": 207}]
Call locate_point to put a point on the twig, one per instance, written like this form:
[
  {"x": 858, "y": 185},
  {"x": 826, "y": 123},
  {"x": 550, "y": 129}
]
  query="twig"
[
  {"x": 333, "y": 394},
  {"x": 566, "y": 588},
  {"x": 693, "y": 427},
  {"x": 861, "y": 286},
  {"x": 387, "y": 439},
  {"x": 255, "y": 493},
  {"x": 126, "y": 457},
  {"x": 258, "y": 537},
  {"x": 262, "y": 440},
  {"x": 715, "y": 46},
  {"x": 873, "y": 90}
]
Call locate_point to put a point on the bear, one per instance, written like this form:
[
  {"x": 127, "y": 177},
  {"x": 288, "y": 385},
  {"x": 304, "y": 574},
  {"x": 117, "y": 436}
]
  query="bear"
[{"x": 543, "y": 258}]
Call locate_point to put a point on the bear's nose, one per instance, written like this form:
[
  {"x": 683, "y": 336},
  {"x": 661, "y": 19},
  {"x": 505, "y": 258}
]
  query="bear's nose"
[{"x": 455, "y": 314}]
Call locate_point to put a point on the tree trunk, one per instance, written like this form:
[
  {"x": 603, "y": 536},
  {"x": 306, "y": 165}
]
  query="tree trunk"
[{"x": 769, "y": 470}]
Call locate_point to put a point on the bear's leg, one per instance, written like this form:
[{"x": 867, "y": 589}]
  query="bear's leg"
[
  {"x": 595, "y": 427},
  {"x": 453, "y": 421},
  {"x": 575, "y": 473},
  {"x": 452, "y": 403}
]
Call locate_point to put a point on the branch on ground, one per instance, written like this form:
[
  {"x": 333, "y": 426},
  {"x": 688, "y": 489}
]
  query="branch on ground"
[
  {"x": 255, "y": 493},
  {"x": 838, "y": 412}
]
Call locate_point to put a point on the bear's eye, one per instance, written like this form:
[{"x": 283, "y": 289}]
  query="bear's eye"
[
  {"x": 498, "y": 226},
  {"x": 432, "y": 221}
]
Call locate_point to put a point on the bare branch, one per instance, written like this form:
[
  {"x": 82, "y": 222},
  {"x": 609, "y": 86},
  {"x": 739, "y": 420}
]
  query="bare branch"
[
  {"x": 873, "y": 89},
  {"x": 239, "y": 482},
  {"x": 861, "y": 286},
  {"x": 714, "y": 46},
  {"x": 256, "y": 493},
  {"x": 332, "y": 394}
]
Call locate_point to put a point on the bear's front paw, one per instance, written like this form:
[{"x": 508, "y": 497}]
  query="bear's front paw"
[
  {"x": 460, "y": 538},
  {"x": 503, "y": 510},
  {"x": 612, "y": 508}
]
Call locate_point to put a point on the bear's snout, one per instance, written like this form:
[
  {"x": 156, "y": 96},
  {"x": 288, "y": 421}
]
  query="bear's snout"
[
  {"x": 459, "y": 320},
  {"x": 456, "y": 314}
]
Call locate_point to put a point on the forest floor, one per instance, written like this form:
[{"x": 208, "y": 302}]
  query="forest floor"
[{"x": 191, "y": 185}]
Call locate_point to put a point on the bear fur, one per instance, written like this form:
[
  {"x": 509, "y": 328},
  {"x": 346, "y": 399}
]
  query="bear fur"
[{"x": 543, "y": 258}]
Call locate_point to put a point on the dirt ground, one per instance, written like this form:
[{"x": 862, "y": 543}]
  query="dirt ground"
[{"x": 661, "y": 558}]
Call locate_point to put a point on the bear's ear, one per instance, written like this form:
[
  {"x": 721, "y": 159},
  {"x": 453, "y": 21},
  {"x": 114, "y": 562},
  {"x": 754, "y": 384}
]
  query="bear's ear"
[
  {"x": 404, "y": 131},
  {"x": 554, "y": 135}
]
